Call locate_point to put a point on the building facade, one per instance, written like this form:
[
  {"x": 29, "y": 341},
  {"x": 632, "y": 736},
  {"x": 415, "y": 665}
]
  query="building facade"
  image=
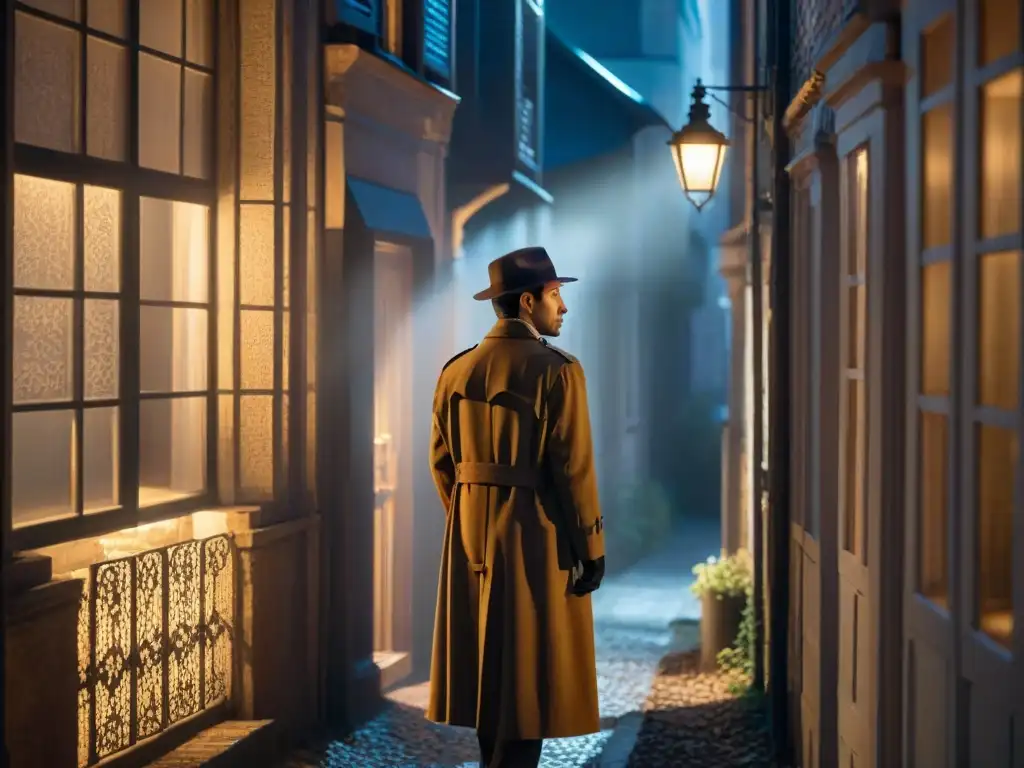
[
  {"x": 213, "y": 211},
  {"x": 906, "y": 172}
]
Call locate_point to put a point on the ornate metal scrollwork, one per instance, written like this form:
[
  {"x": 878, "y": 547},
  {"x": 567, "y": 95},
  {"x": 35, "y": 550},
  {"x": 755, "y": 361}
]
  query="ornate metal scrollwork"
[{"x": 155, "y": 642}]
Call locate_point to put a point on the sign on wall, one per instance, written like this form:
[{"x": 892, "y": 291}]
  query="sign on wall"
[{"x": 529, "y": 87}]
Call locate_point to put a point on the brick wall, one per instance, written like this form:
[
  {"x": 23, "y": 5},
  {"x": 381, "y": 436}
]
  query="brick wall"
[{"x": 815, "y": 23}]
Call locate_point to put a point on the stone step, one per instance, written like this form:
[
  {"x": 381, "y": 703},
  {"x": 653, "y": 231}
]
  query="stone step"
[{"x": 249, "y": 743}]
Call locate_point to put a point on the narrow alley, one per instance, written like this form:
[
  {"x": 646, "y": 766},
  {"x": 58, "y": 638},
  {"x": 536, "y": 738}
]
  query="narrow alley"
[{"x": 632, "y": 615}]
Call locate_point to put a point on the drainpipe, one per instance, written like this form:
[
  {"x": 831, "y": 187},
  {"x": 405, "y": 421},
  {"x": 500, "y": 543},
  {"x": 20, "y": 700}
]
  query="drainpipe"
[
  {"x": 779, "y": 391},
  {"x": 462, "y": 214},
  {"x": 757, "y": 484}
]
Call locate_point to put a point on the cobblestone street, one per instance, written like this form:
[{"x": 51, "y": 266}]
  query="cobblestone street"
[{"x": 631, "y": 615}]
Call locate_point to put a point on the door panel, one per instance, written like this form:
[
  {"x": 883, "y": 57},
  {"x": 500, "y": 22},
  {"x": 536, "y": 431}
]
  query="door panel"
[{"x": 393, "y": 455}]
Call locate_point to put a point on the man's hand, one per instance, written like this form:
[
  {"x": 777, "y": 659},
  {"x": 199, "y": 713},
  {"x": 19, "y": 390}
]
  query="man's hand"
[{"x": 593, "y": 574}]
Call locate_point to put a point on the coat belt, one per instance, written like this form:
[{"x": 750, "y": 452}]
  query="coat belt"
[{"x": 503, "y": 475}]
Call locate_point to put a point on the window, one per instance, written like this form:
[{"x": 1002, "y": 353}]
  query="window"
[
  {"x": 995, "y": 261},
  {"x": 110, "y": 331},
  {"x": 529, "y": 95},
  {"x": 437, "y": 37},
  {"x": 935, "y": 316},
  {"x": 854, "y": 384}
]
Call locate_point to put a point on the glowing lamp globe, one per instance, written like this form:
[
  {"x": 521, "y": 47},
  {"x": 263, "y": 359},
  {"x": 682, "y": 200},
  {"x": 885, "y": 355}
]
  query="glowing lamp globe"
[{"x": 698, "y": 151}]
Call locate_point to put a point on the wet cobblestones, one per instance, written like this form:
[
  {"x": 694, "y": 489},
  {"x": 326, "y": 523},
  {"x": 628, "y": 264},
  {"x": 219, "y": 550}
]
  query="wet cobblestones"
[
  {"x": 696, "y": 720},
  {"x": 631, "y": 616}
]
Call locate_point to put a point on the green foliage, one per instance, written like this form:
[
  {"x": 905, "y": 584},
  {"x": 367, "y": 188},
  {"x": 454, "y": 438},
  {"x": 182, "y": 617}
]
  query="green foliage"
[
  {"x": 639, "y": 517},
  {"x": 738, "y": 661},
  {"x": 725, "y": 576},
  {"x": 692, "y": 470},
  {"x": 732, "y": 576}
]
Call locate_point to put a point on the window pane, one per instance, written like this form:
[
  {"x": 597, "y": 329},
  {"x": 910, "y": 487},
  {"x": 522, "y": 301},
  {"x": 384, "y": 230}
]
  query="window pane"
[
  {"x": 999, "y": 329},
  {"x": 935, "y": 328},
  {"x": 102, "y": 342},
  {"x": 46, "y": 95},
  {"x": 42, "y": 349},
  {"x": 937, "y": 181},
  {"x": 106, "y": 120},
  {"x": 857, "y": 252},
  {"x": 933, "y": 526},
  {"x": 102, "y": 239},
  {"x": 198, "y": 122},
  {"x": 42, "y": 470},
  {"x": 257, "y": 130},
  {"x": 159, "y": 113},
  {"x": 160, "y": 25},
  {"x": 997, "y": 458},
  {"x": 998, "y": 29},
  {"x": 199, "y": 32},
  {"x": 173, "y": 349},
  {"x": 174, "y": 251},
  {"x": 172, "y": 449},
  {"x": 853, "y": 507},
  {"x": 937, "y": 57},
  {"x": 257, "y": 332},
  {"x": 856, "y": 309},
  {"x": 100, "y": 459},
  {"x": 66, "y": 9},
  {"x": 256, "y": 432},
  {"x": 256, "y": 249},
  {"x": 110, "y": 16},
  {"x": 44, "y": 233},
  {"x": 1000, "y": 126}
]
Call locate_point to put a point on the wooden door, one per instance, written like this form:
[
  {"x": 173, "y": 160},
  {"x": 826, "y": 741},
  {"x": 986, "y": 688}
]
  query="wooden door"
[
  {"x": 393, "y": 455},
  {"x": 856, "y": 636}
]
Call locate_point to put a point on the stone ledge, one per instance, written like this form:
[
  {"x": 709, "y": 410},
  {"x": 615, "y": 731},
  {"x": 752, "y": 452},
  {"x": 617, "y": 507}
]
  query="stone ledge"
[
  {"x": 231, "y": 743},
  {"x": 54, "y": 594},
  {"x": 255, "y": 538}
]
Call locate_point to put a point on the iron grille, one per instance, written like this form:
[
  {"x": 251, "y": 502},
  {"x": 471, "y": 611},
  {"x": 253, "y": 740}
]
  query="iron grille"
[{"x": 155, "y": 642}]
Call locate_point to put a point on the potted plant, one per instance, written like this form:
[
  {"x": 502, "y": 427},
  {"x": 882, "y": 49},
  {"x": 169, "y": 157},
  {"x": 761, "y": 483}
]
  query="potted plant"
[{"x": 723, "y": 585}]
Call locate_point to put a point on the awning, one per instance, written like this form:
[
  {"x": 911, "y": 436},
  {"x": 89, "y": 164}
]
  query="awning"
[{"x": 388, "y": 211}]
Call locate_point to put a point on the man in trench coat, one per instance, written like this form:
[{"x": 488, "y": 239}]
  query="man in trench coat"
[{"x": 513, "y": 462}]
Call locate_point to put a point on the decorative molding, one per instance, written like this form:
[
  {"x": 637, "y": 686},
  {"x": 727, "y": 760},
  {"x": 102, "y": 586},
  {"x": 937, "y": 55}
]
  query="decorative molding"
[
  {"x": 873, "y": 55},
  {"x": 361, "y": 83}
]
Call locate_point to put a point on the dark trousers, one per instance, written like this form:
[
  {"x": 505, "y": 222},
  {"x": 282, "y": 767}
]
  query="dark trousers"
[{"x": 521, "y": 753}]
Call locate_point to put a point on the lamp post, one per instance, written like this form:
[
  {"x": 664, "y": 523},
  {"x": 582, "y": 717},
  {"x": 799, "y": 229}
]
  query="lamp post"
[
  {"x": 698, "y": 150},
  {"x": 771, "y": 482}
]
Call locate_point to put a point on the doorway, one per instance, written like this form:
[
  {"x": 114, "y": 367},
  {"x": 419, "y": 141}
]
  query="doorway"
[{"x": 392, "y": 460}]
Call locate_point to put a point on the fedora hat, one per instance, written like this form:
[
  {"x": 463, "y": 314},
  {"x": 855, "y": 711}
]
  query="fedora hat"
[{"x": 520, "y": 271}]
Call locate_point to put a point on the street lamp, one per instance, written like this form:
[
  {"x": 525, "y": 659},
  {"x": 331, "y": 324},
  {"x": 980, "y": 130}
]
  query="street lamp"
[{"x": 698, "y": 150}]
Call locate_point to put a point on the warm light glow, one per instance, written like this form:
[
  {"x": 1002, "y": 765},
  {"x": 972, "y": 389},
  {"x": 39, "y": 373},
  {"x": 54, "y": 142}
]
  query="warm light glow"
[
  {"x": 699, "y": 167},
  {"x": 698, "y": 150},
  {"x": 154, "y": 641}
]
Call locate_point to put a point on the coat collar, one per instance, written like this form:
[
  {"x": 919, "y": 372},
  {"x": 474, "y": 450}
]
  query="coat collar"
[{"x": 513, "y": 329}]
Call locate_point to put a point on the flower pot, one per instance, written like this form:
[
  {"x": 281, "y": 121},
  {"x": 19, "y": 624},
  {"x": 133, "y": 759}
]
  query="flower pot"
[{"x": 720, "y": 618}]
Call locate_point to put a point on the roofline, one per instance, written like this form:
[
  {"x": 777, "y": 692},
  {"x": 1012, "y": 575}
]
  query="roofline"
[{"x": 620, "y": 89}]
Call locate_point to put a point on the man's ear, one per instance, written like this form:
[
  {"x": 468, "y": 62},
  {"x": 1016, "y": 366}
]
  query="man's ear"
[{"x": 526, "y": 301}]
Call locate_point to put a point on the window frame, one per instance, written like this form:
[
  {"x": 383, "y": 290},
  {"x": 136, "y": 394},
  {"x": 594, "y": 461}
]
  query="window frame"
[
  {"x": 971, "y": 414},
  {"x": 134, "y": 182},
  {"x": 861, "y": 280}
]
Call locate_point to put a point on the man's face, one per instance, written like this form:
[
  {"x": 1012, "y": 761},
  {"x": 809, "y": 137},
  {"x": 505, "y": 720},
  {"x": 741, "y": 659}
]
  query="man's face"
[{"x": 545, "y": 314}]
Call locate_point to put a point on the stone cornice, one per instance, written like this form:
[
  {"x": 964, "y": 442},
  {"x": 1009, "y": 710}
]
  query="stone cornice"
[
  {"x": 872, "y": 55},
  {"x": 363, "y": 83}
]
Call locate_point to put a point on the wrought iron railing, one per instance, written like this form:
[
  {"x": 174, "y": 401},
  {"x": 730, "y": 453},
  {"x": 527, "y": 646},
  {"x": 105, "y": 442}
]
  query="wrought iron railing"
[{"x": 155, "y": 642}]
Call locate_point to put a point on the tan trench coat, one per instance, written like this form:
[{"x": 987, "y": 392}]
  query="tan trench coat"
[{"x": 513, "y": 462}]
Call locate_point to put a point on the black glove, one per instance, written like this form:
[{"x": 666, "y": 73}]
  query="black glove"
[{"x": 593, "y": 573}]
